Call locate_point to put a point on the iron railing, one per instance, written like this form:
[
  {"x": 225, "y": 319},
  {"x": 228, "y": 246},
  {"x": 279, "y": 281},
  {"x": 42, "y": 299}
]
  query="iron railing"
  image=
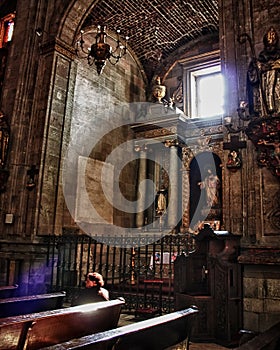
[{"x": 124, "y": 261}]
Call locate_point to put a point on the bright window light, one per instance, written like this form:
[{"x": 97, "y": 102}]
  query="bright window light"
[{"x": 207, "y": 95}]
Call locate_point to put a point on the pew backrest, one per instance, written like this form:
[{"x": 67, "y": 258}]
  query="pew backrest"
[
  {"x": 38, "y": 330},
  {"x": 8, "y": 291},
  {"x": 30, "y": 304},
  {"x": 156, "y": 333}
]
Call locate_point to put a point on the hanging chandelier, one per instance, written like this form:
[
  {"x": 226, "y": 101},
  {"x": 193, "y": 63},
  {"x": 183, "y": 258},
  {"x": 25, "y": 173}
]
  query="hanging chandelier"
[{"x": 100, "y": 52}]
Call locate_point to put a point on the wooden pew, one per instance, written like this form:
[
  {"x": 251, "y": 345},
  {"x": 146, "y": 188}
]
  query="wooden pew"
[
  {"x": 8, "y": 291},
  {"x": 30, "y": 304},
  {"x": 37, "y": 330},
  {"x": 267, "y": 340},
  {"x": 156, "y": 333}
]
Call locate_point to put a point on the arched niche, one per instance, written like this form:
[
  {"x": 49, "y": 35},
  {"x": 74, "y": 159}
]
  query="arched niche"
[{"x": 205, "y": 178}]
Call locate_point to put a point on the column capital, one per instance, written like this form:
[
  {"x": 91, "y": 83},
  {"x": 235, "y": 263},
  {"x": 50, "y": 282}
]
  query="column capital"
[{"x": 172, "y": 143}]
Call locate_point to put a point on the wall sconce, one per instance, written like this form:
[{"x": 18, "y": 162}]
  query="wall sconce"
[
  {"x": 242, "y": 115},
  {"x": 262, "y": 110},
  {"x": 100, "y": 52},
  {"x": 39, "y": 32},
  {"x": 31, "y": 179}
]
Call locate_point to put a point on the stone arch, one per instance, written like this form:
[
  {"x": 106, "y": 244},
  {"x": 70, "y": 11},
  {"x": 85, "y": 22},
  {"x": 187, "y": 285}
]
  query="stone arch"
[{"x": 73, "y": 19}]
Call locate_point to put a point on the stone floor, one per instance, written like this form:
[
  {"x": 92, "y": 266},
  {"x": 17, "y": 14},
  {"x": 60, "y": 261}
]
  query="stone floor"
[{"x": 128, "y": 319}]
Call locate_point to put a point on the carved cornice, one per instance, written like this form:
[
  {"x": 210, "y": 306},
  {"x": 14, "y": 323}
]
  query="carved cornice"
[
  {"x": 191, "y": 151},
  {"x": 161, "y": 127},
  {"x": 204, "y": 127},
  {"x": 156, "y": 133},
  {"x": 260, "y": 256}
]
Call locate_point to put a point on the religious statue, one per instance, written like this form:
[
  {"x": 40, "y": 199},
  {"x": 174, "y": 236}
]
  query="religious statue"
[
  {"x": 211, "y": 184},
  {"x": 276, "y": 148},
  {"x": 234, "y": 160},
  {"x": 264, "y": 77},
  {"x": 161, "y": 202}
]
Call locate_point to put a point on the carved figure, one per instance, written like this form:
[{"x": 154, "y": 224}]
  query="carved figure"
[
  {"x": 211, "y": 185},
  {"x": 276, "y": 145},
  {"x": 159, "y": 91},
  {"x": 161, "y": 202},
  {"x": 234, "y": 160},
  {"x": 264, "y": 77}
]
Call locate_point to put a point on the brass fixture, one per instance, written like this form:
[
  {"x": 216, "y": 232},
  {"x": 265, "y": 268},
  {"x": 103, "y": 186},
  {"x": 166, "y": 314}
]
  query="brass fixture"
[{"x": 100, "y": 52}]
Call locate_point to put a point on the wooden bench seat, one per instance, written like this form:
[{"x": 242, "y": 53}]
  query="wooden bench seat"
[
  {"x": 267, "y": 340},
  {"x": 8, "y": 291},
  {"x": 30, "y": 304},
  {"x": 157, "y": 333},
  {"x": 37, "y": 330}
]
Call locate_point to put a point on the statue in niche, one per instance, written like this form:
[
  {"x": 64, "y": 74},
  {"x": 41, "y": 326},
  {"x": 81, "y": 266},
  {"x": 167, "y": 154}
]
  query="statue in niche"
[
  {"x": 211, "y": 184},
  {"x": 161, "y": 201},
  {"x": 264, "y": 77}
]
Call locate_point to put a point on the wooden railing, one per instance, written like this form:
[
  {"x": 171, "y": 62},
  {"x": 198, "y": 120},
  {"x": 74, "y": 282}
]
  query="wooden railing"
[{"x": 125, "y": 262}]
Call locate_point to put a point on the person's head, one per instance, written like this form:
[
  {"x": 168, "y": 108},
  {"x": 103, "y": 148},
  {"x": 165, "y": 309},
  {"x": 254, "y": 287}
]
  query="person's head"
[{"x": 94, "y": 279}]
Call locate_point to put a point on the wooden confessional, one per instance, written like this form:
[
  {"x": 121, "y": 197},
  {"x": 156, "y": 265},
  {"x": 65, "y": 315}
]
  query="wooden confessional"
[{"x": 210, "y": 278}]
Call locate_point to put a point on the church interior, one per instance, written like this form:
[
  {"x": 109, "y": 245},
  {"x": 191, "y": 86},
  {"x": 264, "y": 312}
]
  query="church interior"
[{"x": 140, "y": 139}]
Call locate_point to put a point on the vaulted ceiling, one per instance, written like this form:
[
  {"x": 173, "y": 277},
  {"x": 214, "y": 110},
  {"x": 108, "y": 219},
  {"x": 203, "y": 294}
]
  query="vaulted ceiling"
[{"x": 157, "y": 28}]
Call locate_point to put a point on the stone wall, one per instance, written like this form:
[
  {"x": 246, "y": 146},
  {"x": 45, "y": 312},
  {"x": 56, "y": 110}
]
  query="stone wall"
[
  {"x": 100, "y": 107},
  {"x": 261, "y": 303}
]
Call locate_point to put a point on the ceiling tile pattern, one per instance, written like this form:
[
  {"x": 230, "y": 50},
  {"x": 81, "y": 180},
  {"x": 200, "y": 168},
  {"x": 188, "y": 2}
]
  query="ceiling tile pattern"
[{"x": 156, "y": 28}]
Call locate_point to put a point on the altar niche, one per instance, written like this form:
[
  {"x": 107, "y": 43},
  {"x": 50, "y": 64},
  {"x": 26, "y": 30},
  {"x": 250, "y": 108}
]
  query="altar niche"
[
  {"x": 164, "y": 191},
  {"x": 205, "y": 191}
]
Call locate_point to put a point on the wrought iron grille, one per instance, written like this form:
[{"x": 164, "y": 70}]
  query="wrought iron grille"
[{"x": 124, "y": 263}]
